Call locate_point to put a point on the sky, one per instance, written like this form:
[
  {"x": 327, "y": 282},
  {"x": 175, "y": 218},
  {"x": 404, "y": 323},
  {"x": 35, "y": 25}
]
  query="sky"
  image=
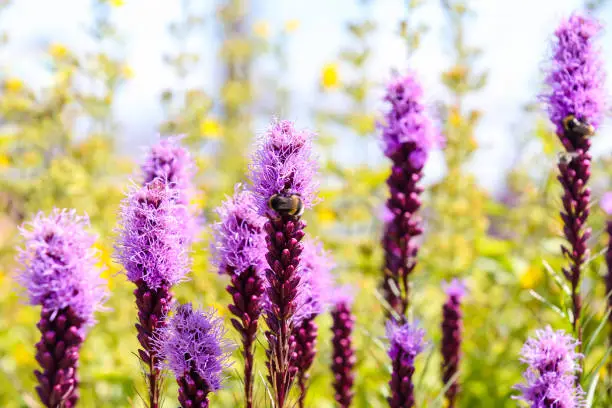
[{"x": 514, "y": 36}]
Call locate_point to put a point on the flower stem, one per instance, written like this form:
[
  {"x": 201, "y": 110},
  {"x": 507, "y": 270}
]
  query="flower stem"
[
  {"x": 153, "y": 305},
  {"x": 246, "y": 290},
  {"x": 283, "y": 236}
]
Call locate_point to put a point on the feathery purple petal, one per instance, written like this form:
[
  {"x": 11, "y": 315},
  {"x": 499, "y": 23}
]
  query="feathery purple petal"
[
  {"x": 550, "y": 378},
  {"x": 239, "y": 238},
  {"x": 284, "y": 164},
  {"x": 152, "y": 241},
  {"x": 576, "y": 76},
  {"x": 58, "y": 264},
  {"x": 407, "y": 122},
  {"x": 194, "y": 342},
  {"x": 317, "y": 284}
]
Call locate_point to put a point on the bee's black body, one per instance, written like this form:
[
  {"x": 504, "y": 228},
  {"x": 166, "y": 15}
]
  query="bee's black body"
[
  {"x": 578, "y": 127},
  {"x": 286, "y": 205}
]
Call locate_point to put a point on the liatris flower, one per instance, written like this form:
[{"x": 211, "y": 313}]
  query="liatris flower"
[
  {"x": 452, "y": 327},
  {"x": 343, "y": 355},
  {"x": 171, "y": 162},
  {"x": 314, "y": 294},
  {"x": 407, "y": 137},
  {"x": 192, "y": 345},
  {"x": 59, "y": 273},
  {"x": 151, "y": 248},
  {"x": 406, "y": 341},
  {"x": 551, "y": 375},
  {"x": 282, "y": 177},
  {"x": 239, "y": 252},
  {"x": 576, "y": 106}
]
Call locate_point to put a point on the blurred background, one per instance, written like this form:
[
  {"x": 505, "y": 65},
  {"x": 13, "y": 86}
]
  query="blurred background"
[{"x": 87, "y": 86}]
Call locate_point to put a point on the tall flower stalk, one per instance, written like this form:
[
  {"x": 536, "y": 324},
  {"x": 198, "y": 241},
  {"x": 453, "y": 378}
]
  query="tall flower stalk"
[
  {"x": 343, "y": 354},
  {"x": 406, "y": 342},
  {"x": 407, "y": 137},
  {"x": 239, "y": 252},
  {"x": 152, "y": 249},
  {"x": 575, "y": 107},
  {"x": 282, "y": 176},
  {"x": 314, "y": 294},
  {"x": 58, "y": 271},
  {"x": 550, "y": 378},
  {"x": 193, "y": 346},
  {"x": 452, "y": 328}
]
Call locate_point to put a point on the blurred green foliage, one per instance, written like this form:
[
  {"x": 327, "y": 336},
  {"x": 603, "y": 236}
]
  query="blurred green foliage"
[{"x": 506, "y": 247}]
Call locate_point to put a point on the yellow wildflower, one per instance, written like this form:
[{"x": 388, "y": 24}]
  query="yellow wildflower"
[
  {"x": 4, "y": 161},
  {"x": 292, "y": 25},
  {"x": 329, "y": 76},
  {"x": 23, "y": 355},
  {"x": 531, "y": 277},
  {"x": 326, "y": 216},
  {"x": 13, "y": 85},
  {"x": 262, "y": 29},
  {"x": 58, "y": 50},
  {"x": 210, "y": 128},
  {"x": 116, "y": 3},
  {"x": 127, "y": 71}
]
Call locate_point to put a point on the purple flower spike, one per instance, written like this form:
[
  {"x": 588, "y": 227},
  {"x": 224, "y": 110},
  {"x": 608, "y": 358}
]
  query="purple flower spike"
[
  {"x": 452, "y": 328},
  {"x": 192, "y": 345},
  {"x": 575, "y": 106},
  {"x": 171, "y": 162},
  {"x": 407, "y": 136},
  {"x": 406, "y": 341},
  {"x": 576, "y": 77},
  {"x": 314, "y": 298},
  {"x": 284, "y": 165},
  {"x": 343, "y": 355},
  {"x": 152, "y": 239},
  {"x": 152, "y": 248},
  {"x": 240, "y": 253},
  {"x": 59, "y": 273},
  {"x": 282, "y": 175},
  {"x": 550, "y": 378}
]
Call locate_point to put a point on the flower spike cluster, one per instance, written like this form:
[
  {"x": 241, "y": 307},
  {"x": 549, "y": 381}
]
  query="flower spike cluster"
[
  {"x": 239, "y": 251},
  {"x": 575, "y": 106},
  {"x": 282, "y": 176},
  {"x": 550, "y": 378},
  {"x": 193, "y": 346},
  {"x": 343, "y": 354},
  {"x": 407, "y": 137},
  {"x": 152, "y": 249},
  {"x": 314, "y": 298},
  {"x": 452, "y": 328},
  {"x": 171, "y": 162},
  {"x": 406, "y": 342},
  {"x": 59, "y": 273}
]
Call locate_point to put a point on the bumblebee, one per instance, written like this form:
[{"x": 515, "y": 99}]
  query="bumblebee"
[
  {"x": 572, "y": 124},
  {"x": 566, "y": 157},
  {"x": 287, "y": 205}
]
